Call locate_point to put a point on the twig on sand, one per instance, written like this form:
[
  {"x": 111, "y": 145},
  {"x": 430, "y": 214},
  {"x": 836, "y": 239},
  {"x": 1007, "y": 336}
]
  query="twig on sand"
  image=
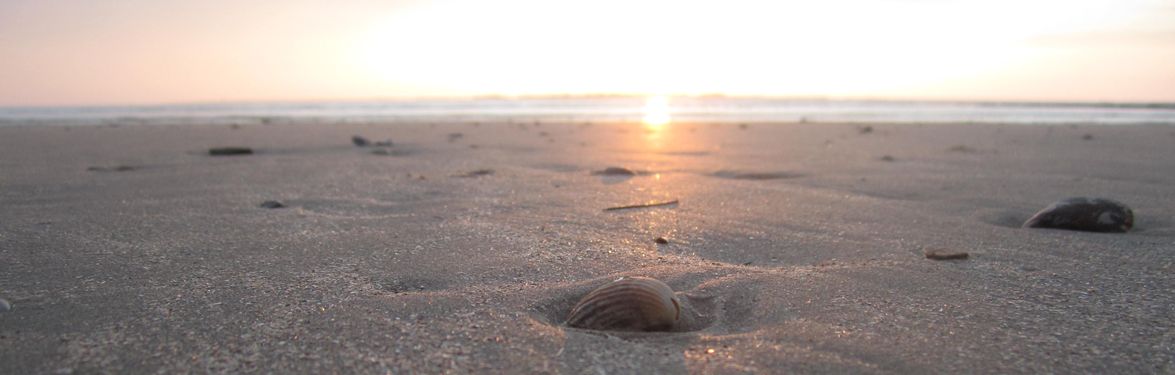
[{"x": 646, "y": 205}]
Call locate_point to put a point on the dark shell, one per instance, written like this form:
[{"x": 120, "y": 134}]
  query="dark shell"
[
  {"x": 359, "y": 141},
  {"x": 614, "y": 171},
  {"x": 272, "y": 204},
  {"x": 628, "y": 304},
  {"x": 1084, "y": 214},
  {"x": 230, "y": 151}
]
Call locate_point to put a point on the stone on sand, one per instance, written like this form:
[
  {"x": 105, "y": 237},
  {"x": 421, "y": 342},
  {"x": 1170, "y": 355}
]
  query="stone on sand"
[
  {"x": 229, "y": 151},
  {"x": 1084, "y": 214}
]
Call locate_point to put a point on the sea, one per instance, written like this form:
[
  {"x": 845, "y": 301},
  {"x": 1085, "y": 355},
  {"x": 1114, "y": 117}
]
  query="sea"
[{"x": 718, "y": 109}]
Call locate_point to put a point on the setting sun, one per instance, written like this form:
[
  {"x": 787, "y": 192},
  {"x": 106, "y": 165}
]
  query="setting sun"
[
  {"x": 656, "y": 111},
  {"x": 75, "y": 52}
]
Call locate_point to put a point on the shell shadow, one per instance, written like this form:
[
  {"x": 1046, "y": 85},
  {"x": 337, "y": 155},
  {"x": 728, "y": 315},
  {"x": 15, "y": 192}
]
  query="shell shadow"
[
  {"x": 1152, "y": 225},
  {"x": 754, "y": 175},
  {"x": 1003, "y": 218}
]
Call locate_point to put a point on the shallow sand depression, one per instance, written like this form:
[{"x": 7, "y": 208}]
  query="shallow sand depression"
[{"x": 793, "y": 248}]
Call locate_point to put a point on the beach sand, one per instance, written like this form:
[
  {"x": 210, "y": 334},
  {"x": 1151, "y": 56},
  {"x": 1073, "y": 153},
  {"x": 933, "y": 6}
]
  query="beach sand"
[{"x": 795, "y": 248}]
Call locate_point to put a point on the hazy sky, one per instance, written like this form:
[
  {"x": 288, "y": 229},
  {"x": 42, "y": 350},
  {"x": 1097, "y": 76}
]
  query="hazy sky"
[{"x": 62, "y": 52}]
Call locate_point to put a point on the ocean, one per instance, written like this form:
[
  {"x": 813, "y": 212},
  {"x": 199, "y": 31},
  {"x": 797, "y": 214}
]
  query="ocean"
[{"x": 612, "y": 108}]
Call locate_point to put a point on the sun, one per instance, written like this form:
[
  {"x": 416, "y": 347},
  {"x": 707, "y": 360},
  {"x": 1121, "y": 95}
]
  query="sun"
[{"x": 656, "y": 112}]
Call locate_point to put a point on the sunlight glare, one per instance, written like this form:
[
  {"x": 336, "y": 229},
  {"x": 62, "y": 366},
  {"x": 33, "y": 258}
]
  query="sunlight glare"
[{"x": 656, "y": 112}]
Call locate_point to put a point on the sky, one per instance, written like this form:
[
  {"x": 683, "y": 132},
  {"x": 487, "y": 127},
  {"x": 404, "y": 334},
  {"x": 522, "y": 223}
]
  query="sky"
[{"x": 115, "y": 52}]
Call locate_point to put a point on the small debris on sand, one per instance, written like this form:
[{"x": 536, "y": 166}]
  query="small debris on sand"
[
  {"x": 614, "y": 171},
  {"x": 272, "y": 204},
  {"x": 944, "y": 254},
  {"x": 453, "y": 137},
  {"x": 887, "y": 158},
  {"x": 360, "y": 141},
  {"x": 754, "y": 175},
  {"x": 961, "y": 148},
  {"x": 475, "y": 173},
  {"x": 1087, "y": 137},
  {"x": 119, "y": 168},
  {"x": 646, "y": 205},
  {"x": 865, "y": 129},
  {"x": 229, "y": 151},
  {"x": 661, "y": 240}
]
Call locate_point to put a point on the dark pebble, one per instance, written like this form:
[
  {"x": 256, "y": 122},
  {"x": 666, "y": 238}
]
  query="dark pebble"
[
  {"x": 887, "y": 158},
  {"x": 230, "y": 151},
  {"x": 1087, "y": 137},
  {"x": 661, "y": 240},
  {"x": 272, "y": 204},
  {"x": 1084, "y": 214},
  {"x": 359, "y": 141},
  {"x": 614, "y": 171},
  {"x": 944, "y": 254},
  {"x": 120, "y": 168},
  {"x": 476, "y": 173},
  {"x": 865, "y": 129}
]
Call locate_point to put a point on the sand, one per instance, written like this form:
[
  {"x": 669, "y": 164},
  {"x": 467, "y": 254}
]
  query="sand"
[{"x": 795, "y": 248}]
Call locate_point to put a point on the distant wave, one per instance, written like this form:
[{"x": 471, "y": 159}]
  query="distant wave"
[{"x": 603, "y": 108}]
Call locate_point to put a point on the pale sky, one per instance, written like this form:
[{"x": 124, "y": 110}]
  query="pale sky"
[{"x": 83, "y": 52}]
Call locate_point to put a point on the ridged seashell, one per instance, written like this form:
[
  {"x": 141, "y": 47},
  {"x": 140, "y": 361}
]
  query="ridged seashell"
[
  {"x": 1084, "y": 214},
  {"x": 627, "y": 304}
]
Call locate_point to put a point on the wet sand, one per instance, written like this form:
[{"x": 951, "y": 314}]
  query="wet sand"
[{"x": 793, "y": 247}]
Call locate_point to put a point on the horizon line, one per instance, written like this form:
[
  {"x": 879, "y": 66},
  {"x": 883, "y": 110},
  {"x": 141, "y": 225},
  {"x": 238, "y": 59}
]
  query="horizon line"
[{"x": 606, "y": 95}]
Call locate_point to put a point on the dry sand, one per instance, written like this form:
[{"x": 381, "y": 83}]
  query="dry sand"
[{"x": 796, "y": 248}]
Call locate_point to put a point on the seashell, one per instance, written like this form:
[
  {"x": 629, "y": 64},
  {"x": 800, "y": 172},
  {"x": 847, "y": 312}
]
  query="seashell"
[
  {"x": 359, "y": 141},
  {"x": 628, "y": 304},
  {"x": 229, "y": 151},
  {"x": 272, "y": 204},
  {"x": 1084, "y": 214},
  {"x": 614, "y": 171}
]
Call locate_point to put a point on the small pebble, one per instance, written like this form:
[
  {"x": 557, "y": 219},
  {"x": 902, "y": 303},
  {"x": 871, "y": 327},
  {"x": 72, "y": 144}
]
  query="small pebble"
[
  {"x": 1087, "y": 136},
  {"x": 230, "y": 151},
  {"x": 960, "y": 148},
  {"x": 120, "y": 168},
  {"x": 475, "y": 173},
  {"x": 944, "y": 254},
  {"x": 614, "y": 171},
  {"x": 887, "y": 158},
  {"x": 661, "y": 240},
  {"x": 272, "y": 204},
  {"x": 865, "y": 129},
  {"x": 359, "y": 141}
]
